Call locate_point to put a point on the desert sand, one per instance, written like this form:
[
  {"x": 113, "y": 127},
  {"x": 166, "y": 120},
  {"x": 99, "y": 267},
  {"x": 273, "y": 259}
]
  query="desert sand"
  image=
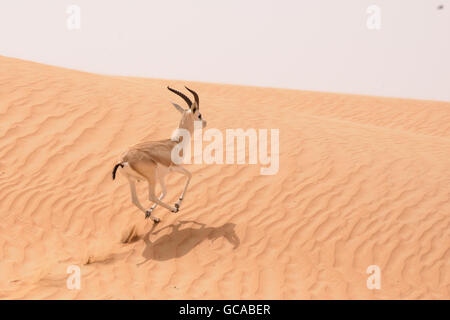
[{"x": 362, "y": 181}]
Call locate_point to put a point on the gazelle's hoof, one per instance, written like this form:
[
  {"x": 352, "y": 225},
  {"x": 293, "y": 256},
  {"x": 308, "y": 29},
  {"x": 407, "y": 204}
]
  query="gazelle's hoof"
[
  {"x": 156, "y": 220},
  {"x": 178, "y": 204},
  {"x": 148, "y": 213},
  {"x": 177, "y": 208}
]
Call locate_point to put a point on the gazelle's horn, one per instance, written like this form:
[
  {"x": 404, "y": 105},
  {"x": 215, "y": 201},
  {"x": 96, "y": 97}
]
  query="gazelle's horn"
[
  {"x": 195, "y": 95},
  {"x": 188, "y": 101}
]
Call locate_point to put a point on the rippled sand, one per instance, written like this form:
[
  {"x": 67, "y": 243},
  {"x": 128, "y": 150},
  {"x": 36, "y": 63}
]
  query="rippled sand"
[{"x": 362, "y": 181}]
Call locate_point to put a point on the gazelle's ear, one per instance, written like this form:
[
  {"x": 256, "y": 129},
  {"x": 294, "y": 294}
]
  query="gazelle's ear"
[
  {"x": 194, "y": 107},
  {"x": 178, "y": 107}
]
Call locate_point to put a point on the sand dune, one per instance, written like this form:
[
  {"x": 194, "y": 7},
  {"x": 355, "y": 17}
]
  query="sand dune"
[{"x": 362, "y": 181}]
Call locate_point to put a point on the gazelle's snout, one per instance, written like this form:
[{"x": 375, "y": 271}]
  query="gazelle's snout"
[{"x": 199, "y": 124}]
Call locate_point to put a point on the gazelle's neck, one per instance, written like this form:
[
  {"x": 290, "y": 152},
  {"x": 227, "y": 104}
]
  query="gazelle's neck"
[
  {"x": 185, "y": 125},
  {"x": 177, "y": 135}
]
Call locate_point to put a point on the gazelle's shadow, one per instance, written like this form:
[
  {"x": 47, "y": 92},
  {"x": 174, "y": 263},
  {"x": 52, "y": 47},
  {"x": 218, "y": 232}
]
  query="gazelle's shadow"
[{"x": 180, "y": 241}]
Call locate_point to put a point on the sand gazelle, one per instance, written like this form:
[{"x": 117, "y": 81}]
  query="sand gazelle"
[{"x": 151, "y": 161}]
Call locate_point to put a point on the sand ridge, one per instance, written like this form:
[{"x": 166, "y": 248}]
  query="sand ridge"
[{"x": 362, "y": 181}]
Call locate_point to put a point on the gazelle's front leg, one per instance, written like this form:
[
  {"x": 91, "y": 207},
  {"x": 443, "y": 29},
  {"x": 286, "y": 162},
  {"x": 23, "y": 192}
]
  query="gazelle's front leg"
[
  {"x": 153, "y": 198},
  {"x": 189, "y": 176}
]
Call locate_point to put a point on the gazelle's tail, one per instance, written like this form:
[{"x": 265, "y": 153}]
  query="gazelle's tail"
[{"x": 115, "y": 169}]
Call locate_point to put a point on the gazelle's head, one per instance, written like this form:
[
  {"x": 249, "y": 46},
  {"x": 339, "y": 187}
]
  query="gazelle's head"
[{"x": 190, "y": 115}]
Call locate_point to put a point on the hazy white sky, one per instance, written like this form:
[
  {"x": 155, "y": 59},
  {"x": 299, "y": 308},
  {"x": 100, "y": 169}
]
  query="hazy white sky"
[{"x": 321, "y": 45}]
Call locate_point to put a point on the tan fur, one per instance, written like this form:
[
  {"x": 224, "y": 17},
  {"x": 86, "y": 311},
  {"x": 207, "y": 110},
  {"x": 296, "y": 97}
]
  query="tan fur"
[
  {"x": 151, "y": 161},
  {"x": 151, "y": 151}
]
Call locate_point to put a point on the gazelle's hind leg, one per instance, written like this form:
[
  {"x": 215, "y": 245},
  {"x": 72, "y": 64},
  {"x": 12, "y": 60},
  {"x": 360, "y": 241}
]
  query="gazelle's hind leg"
[
  {"x": 153, "y": 198},
  {"x": 134, "y": 197},
  {"x": 161, "y": 174},
  {"x": 148, "y": 170},
  {"x": 185, "y": 172}
]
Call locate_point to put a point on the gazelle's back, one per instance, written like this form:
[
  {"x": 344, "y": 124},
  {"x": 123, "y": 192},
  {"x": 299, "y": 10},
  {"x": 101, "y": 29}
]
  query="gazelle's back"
[{"x": 151, "y": 151}]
